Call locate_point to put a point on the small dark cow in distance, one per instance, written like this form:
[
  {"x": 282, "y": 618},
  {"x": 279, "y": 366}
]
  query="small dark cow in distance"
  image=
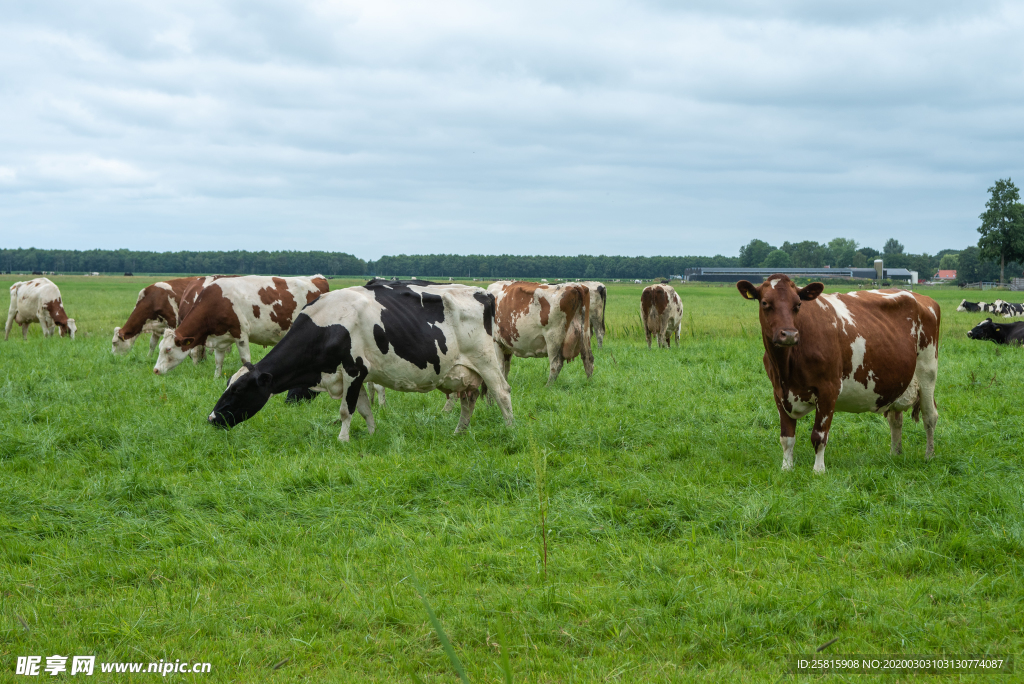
[
  {"x": 156, "y": 309},
  {"x": 662, "y": 314},
  {"x": 1007, "y": 310},
  {"x": 975, "y": 307},
  {"x": 236, "y": 310},
  {"x": 536, "y": 320},
  {"x": 863, "y": 351},
  {"x": 598, "y": 301},
  {"x": 1000, "y": 333},
  {"x": 402, "y": 335},
  {"x": 38, "y": 301}
]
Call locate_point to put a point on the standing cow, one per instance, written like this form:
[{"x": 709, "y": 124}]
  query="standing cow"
[
  {"x": 156, "y": 309},
  {"x": 408, "y": 337},
  {"x": 543, "y": 320},
  {"x": 598, "y": 300},
  {"x": 864, "y": 351},
  {"x": 38, "y": 301},
  {"x": 237, "y": 310},
  {"x": 662, "y": 314}
]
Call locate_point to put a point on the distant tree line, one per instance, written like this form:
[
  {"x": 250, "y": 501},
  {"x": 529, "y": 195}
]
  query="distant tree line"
[
  {"x": 124, "y": 260},
  {"x": 1000, "y": 251}
]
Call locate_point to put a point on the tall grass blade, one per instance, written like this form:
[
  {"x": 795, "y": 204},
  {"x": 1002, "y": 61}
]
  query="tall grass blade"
[{"x": 447, "y": 645}]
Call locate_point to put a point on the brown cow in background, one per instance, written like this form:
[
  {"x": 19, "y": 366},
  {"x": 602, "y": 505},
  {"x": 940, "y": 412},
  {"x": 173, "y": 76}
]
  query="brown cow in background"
[
  {"x": 863, "y": 351},
  {"x": 543, "y": 320},
  {"x": 662, "y": 314},
  {"x": 156, "y": 309}
]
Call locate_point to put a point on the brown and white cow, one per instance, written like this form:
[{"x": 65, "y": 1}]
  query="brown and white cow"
[
  {"x": 38, "y": 301},
  {"x": 662, "y": 314},
  {"x": 543, "y": 320},
  {"x": 236, "y": 310},
  {"x": 598, "y": 299},
  {"x": 863, "y": 351},
  {"x": 156, "y": 309}
]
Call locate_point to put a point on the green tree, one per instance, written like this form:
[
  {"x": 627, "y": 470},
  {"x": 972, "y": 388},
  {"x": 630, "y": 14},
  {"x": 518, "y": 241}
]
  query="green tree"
[
  {"x": 968, "y": 266},
  {"x": 841, "y": 252},
  {"x": 949, "y": 262},
  {"x": 754, "y": 252},
  {"x": 776, "y": 259},
  {"x": 892, "y": 247},
  {"x": 1002, "y": 226},
  {"x": 807, "y": 254}
]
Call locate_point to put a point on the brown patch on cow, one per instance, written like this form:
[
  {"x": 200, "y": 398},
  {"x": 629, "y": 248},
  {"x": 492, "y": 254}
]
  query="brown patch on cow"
[
  {"x": 322, "y": 285},
  {"x": 157, "y": 303},
  {"x": 282, "y": 300},
  {"x": 575, "y": 304},
  {"x": 212, "y": 314},
  {"x": 255, "y": 310},
  {"x": 56, "y": 310},
  {"x": 545, "y": 309},
  {"x": 515, "y": 304},
  {"x": 312, "y": 296}
]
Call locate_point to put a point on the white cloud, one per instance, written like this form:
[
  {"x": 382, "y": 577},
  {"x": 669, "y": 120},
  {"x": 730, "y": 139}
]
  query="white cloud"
[{"x": 460, "y": 126}]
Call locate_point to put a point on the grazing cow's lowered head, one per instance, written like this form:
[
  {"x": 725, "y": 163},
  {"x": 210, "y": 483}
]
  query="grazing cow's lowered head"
[
  {"x": 119, "y": 345},
  {"x": 780, "y": 305},
  {"x": 173, "y": 350},
  {"x": 248, "y": 391}
]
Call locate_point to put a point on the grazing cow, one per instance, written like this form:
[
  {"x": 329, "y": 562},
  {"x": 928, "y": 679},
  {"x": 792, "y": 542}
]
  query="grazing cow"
[
  {"x": 1000, "y": 333},
  {"x": 402, "y": 335},
  {"x": 598, "y": 300},
  {"x": 543, "y": 320},
  {"x": 872, "y": 350},
  {"x": 662, "y": 314},
  {"x": 38, "y": 301},
  {"x": 156, "y": 309},
  {"x": 1006, "y": 309},
  {"x": 236, "y": 310}
]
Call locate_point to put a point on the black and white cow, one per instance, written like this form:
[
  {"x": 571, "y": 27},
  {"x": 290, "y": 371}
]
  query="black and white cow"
[
  {"x": 975, "y": 307},
  {"x": 402, "y": 335},
  {"x": 1007, "y": 310},
  {"x": 1000, "y": 333}
]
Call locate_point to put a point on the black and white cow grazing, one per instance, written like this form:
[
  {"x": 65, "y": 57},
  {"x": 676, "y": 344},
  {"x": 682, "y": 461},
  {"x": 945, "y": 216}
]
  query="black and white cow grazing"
[
  {"x": 1000, "y": 333},
  {"x": 402, "y": 335}
]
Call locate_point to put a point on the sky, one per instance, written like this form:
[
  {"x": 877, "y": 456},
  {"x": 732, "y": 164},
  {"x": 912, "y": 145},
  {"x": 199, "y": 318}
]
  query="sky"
[{"x": 641, "y": 127}]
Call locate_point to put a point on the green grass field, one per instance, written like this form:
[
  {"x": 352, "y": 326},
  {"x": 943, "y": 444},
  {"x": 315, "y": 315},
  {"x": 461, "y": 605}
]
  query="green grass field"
[{"x": 676, "y": 548}]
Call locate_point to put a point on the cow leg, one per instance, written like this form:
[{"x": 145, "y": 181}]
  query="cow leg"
[
  {"x": 363, "y": 407},
  {"x": 498, "y": 390},
  {"x": 506, "y": 364},
  {"x": 154, "y": 340},
  {"x": 556, "y": 366},
  {"x": 588, "y": 357},
  {"x": 787, "y": 437},
  {"x": 896, "y": 431},
  {"x": 468, "y": 398},
  {"x": 647, "y": 331},
  {"x": 198, "y": 354},
  {"x": 218, "y": 355},
  {"x": 819, "y": 435},
  {"x": 24, "y": 331},
  {"x": 346, "y": 420},
  {"x": 449, "y": 404},
  {"x": 927, "y": 372},
  {"x": 380, "y": 394}
]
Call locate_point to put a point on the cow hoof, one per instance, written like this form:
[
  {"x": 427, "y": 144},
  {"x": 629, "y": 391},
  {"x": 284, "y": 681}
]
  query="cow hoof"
[
  {"x": 820, "y": 470},
  {"x": 787, "y": 467}
]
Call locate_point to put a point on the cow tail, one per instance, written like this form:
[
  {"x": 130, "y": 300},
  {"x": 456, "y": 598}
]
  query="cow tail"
[{"x": 574, "y": 331}]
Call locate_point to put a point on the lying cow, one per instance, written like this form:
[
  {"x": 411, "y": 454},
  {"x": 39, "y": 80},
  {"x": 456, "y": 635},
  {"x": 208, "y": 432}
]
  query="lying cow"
[
  {"x": 408, "y": 337},
  {"x": 598, "y": 300},
  {"x": 535, "y": 320},
  {"x": 974, "y": 307},
  {"x": 863, "y": 351},
  {"x": 38, "y": 301},
  {"x": 662, "y": 314},
  {"x": 1007, "y": 310},
  {"x": 1000, "y": 333},
  {"x": 156, "y": 309},
  {"x": 237, "y": 310}
]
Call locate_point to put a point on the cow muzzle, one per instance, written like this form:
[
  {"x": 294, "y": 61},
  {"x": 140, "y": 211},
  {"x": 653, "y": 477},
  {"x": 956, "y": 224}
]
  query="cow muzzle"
[{"x": 786, "y": 338}]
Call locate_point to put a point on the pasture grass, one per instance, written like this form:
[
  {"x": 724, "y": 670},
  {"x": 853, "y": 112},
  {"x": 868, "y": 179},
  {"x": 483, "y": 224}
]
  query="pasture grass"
[{"x": 676, "y": 549}]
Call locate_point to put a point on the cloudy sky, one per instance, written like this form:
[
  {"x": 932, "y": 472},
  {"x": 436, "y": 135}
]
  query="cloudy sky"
[{"x": 599, "y": 127}]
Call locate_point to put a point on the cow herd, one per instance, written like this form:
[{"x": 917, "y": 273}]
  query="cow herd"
[{"x": 867, "y": 351}]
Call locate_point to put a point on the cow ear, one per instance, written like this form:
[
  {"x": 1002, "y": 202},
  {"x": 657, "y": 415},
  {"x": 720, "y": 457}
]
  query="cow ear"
[
  {"x": 748, "y": 290},
  {"x": 187, "y": 342},
  {"x": 249, "y": 365},
  {"x": 264, "y": 379},
  {"x": 810, "y": 292}
]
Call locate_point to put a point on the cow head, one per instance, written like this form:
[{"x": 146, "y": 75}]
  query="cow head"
[
  {"x": 248, "y": 391},
  {"x": 173, "y": 351},
  {"x": 119, "y": 345},
  {"x": 986, "y": 330},
  {"x": 70, "y": 328},
  {"x": 780, "y": 305}
]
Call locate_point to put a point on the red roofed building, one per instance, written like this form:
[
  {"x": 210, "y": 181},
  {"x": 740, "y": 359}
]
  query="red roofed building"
[{"x": 945, "y": 275}]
